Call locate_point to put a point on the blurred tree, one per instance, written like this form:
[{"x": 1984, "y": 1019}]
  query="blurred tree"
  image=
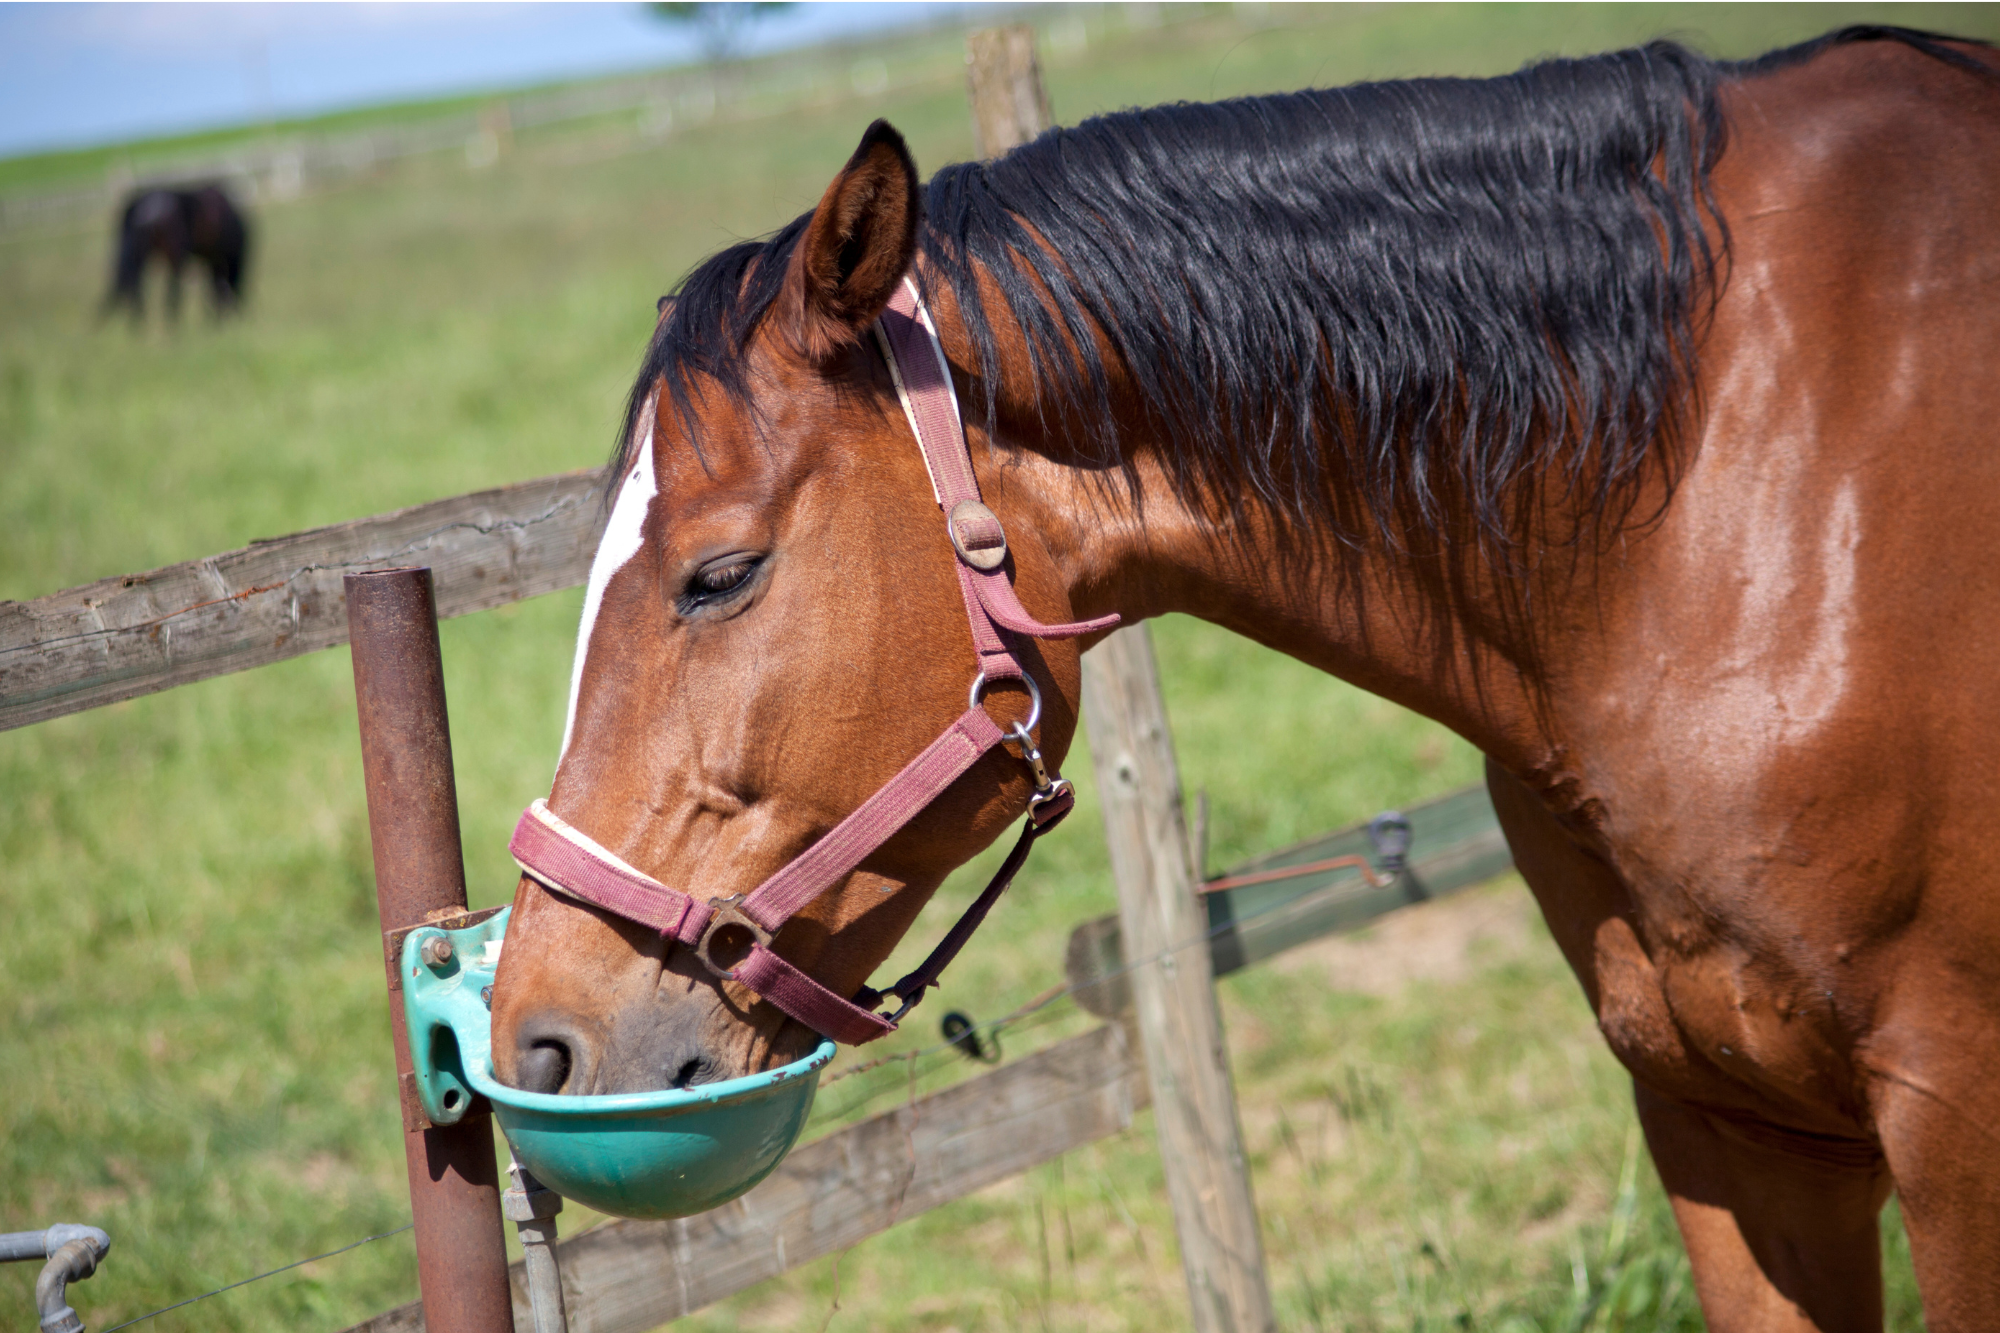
[{"x": 719, "y": 25}]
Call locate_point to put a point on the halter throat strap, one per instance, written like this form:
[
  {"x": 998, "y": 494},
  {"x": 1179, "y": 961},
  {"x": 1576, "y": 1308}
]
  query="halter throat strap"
[{"x": 562, "y": 857}]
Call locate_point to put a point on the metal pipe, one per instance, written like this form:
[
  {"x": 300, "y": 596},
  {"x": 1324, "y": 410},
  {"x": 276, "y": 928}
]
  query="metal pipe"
[
  {"x": 532, "y": 1207},
  {"x": 73, "y": 1253},
  {"x": 420, "y": 876},
  {"x": 18, "y": 1245},
  {"x": 72, "y": 1262}
]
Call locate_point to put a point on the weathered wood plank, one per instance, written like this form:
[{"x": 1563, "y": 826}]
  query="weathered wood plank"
[
  {"x": 138, "y": 633},
  {"x": 1180, "y": 1026},
  {"x": 1456, "y": 843},
  {"x": 627, "y": 1277}
]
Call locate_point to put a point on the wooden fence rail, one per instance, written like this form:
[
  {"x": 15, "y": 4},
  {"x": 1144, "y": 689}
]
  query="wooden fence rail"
[{"x": 138, "y": 633}]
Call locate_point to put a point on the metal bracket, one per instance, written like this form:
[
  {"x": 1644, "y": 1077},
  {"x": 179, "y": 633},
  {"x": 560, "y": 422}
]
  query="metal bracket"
[
  {"x": 447, "y": 1018},
  {"x": 526, "y": 1205},
  {"x": 414, "y": 1119},
  {"x": 392, "y": 940}
]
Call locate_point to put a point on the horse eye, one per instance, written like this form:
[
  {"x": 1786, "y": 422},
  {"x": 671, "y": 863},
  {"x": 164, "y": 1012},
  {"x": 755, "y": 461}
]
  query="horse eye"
[{"x": 719, "y": 580}]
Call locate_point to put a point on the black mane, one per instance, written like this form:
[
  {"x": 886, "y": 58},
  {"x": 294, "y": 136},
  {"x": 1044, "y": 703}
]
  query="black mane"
[{"x": 1408, "y": 290}]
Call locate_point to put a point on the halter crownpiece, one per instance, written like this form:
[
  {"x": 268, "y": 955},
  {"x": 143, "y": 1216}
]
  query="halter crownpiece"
[{"x": 564, "y": 858}]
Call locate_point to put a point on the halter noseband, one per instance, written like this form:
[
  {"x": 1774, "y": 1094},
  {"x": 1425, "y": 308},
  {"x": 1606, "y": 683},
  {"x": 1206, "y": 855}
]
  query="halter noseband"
[{"x": 569, "y": 861}]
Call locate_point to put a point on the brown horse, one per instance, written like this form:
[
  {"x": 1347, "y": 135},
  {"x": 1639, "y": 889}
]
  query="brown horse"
[{"x": 1633, "y": 416}]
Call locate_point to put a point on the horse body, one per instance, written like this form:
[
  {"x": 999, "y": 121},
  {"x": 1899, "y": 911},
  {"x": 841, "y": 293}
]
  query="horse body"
[
  {"x": 174, "y": 226},
  {"x": 1742, "y": 744},
  {"x": 1763, "y": 836}
]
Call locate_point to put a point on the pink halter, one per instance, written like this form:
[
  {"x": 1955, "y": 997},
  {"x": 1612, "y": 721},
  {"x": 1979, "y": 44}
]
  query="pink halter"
[{"x": 567, "y": 860}]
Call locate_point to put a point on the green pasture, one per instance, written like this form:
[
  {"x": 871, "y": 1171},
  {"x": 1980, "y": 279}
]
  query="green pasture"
[{"x": 194, "y": 1050}]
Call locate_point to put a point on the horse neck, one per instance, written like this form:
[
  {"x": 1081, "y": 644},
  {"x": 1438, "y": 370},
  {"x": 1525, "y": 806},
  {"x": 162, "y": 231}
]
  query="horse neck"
[
  {"x": 1451, "y": 630},
  {"x": 1452, "y": 635}
]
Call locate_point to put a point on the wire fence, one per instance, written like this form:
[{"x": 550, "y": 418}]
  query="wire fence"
[
  {"x": 1040, "y": 1009},
  {"x": 296, "y": 1263}
]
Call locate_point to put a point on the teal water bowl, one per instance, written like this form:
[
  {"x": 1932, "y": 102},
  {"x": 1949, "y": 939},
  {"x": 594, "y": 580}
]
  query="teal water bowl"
[{"x": 671, "y": 1153}]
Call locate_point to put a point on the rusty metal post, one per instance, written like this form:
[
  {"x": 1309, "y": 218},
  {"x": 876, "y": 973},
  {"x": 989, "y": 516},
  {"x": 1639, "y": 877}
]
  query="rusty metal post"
[{"x": 419, "y": 877}]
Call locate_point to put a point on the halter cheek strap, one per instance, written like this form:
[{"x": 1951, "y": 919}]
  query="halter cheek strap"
[{"x": 569, "y": 861}]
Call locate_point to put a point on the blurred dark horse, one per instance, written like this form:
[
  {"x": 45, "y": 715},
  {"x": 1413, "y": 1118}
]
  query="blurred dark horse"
[{"x": 176, "y": 226}]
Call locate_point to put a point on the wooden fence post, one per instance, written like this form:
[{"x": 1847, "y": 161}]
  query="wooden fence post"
[
  {"x": 1009, "y": 104},
  {"x": 1180, "y": 1028},
  {"x": 1173, "y": 987}
]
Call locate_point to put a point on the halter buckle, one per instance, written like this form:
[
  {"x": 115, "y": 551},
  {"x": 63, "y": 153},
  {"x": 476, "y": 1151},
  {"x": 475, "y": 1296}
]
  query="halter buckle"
[
  {"x": 977, "y": 536},
  {"x": 725, "y": 914}
]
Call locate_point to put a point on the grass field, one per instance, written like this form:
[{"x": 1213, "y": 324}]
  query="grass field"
[{"x": 194, "y": 1053}]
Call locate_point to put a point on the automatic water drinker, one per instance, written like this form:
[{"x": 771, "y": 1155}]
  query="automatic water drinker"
[{"x": 671, "y": 1153}]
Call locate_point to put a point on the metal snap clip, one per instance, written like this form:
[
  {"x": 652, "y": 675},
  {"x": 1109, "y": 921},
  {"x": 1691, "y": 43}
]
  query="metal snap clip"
[{"x": 1032, "y": 757}]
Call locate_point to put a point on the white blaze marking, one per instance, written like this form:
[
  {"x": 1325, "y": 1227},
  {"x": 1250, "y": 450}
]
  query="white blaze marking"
[{"x": 620, "y": 543}]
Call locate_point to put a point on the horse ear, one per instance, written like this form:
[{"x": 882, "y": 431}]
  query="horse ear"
[{"x": 856, "y": 248}]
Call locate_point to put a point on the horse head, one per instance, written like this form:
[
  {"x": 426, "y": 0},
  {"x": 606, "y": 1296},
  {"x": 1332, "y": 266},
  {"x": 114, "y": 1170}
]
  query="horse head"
[{"x": 776, "y": 624}]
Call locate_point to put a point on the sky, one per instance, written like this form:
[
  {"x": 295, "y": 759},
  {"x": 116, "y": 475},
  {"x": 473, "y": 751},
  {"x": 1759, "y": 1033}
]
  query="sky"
[{"x": 75, "y": 75}]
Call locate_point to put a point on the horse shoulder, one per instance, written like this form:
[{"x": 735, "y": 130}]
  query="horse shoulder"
[{"x": 1791, "y": 734}]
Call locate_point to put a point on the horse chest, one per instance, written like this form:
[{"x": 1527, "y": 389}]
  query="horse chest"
[
  {"x": 1709, "y": 1020},
  {"x": 1715, "y": 949}
]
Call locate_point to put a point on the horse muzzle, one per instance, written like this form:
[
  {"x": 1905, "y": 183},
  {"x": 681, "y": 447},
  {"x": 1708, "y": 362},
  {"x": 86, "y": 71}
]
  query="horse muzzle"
[{"x": 671, "y": 1153}]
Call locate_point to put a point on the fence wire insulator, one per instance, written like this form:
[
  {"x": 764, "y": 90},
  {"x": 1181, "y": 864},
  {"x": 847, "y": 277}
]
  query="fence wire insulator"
[
  {"x": 1389, "y": 834},
  {"x": 962, "y": 1034}
]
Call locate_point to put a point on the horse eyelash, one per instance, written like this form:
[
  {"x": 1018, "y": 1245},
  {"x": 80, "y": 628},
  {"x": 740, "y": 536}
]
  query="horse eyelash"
[{"x": 695, "y": 596}]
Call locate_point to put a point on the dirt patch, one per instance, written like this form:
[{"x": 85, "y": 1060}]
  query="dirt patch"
[{"x": 1443, "y": 941}]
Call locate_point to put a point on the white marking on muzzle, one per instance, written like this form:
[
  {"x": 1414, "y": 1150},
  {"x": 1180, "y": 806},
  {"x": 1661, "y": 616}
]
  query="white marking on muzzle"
[{"x": 621, "y": 541}]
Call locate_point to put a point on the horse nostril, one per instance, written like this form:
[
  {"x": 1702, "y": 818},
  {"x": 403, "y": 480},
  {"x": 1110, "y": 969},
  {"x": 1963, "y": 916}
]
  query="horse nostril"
[
  {"x": 544, "y": 1066},
  {"x": 551, "y": 1055},
  {"x": 692, "y": 1072}
]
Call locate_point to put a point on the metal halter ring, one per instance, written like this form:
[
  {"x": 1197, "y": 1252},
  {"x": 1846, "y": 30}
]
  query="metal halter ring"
[
  {"x": 1034, "y": 699},
  {"x": 727, "y": 913}
]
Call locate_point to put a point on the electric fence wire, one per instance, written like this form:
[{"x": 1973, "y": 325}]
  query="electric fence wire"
[
  {"x": 261, "y": 1276},
  {"x": 1277, "y": 912}
]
